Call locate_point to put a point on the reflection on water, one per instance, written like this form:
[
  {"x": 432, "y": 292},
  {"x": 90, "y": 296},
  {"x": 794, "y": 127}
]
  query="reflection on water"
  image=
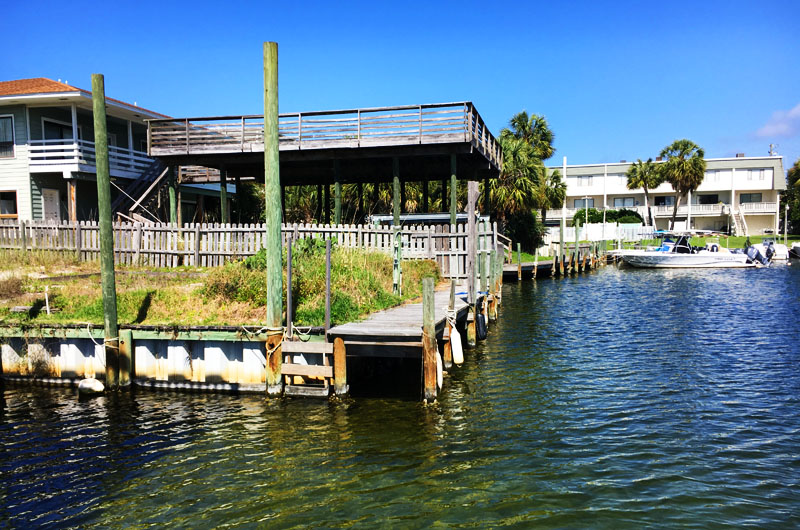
[{"x": 622, "y": 398}]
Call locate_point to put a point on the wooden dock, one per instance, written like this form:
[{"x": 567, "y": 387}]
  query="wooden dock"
[{"x": 397, "y": 332}]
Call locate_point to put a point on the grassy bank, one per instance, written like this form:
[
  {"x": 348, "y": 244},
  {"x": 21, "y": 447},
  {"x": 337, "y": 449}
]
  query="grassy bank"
[{"x": 231, "y": 295}]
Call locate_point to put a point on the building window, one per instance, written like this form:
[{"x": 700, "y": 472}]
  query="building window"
[
  {"x": 584, "y": 182},
  {"x": 8, "y": 204},
  {"x": 581, "y": 203},
  {"x": 6, "y": 137},
  {"x": 749, "y": 197},
  {"x": 623, "y": 202},
  {"x": 708, "y": 199},
  {"x": 755, "y": 174},
  {"x": 668, "y": 200},
  {"x": 712, "y": 176}
]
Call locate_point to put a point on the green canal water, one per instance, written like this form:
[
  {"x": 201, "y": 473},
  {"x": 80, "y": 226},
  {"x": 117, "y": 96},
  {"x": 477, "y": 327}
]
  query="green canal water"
[{"x": 617, "y": 399}]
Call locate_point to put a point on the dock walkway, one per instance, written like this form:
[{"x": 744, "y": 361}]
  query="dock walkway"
[{"x": 397, "y": 332}]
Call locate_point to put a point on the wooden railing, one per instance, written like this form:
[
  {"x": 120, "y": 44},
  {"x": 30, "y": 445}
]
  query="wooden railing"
[
  {"x": 43, "y": 153},
  {"x": 372, "y": 127},
  {"x": 210, "y": 245}
]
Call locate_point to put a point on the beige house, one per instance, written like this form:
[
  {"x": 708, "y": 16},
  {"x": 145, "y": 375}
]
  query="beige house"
[{"x": 739, "y": 193}]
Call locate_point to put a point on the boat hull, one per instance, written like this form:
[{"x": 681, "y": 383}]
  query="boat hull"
[{"x": 671, "y": 260}]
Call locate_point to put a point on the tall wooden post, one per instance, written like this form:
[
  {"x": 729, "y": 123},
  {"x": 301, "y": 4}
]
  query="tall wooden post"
[
  {"x": 403, "y": 203},
  {"x": 429, "y": 351},
  {"x": 107, "y": 277},
  {"x": 272, "y": 194},
  {"x": 173, "y": 196},
  {"x": 519, "y": 262},
  {"x": 563, "y": 239},
  {"x": 224, "y": 214},
  {"x": 493, "y": 285},
  {"x": 238, "y": 192},
  {"x": 453, "y": 190},
  {"x": 396, "y": 191},
  {"x": 337, "y": 193},
  {"x": 472, "y": 257},
  {"x": 339, "y": 367}
]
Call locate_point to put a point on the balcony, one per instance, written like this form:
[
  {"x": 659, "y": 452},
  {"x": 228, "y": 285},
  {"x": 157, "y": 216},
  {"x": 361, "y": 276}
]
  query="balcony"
[
  {"x": 47, "y": 156},
  {"x": 698, "y": 210}
]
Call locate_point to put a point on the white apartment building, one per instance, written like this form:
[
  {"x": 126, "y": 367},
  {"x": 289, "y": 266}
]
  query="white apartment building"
[{"x": 740, "y": 194}]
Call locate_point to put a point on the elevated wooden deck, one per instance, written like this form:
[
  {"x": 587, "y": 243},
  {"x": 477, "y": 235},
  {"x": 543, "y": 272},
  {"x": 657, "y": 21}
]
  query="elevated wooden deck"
[{"x": 310, "y": 141}]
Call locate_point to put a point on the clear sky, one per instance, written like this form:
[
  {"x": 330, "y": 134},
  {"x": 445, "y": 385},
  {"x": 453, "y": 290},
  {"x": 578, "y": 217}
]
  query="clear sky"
[{"x": 616, "y": 80}]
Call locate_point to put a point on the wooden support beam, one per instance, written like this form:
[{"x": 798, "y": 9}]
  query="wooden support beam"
[
  {"x": 326, "y": 204},
  {"x": 107, "y": 276},
  {"x": 72, "y": 202},
  {"x": 519, "y": 262},
  {"x": 429, "y": 351},
  {"x": 173, "y": 196},
  {"x": 340, "y": 367},
  {"x": 224, "y": 214},
  {"x": 396, "y": 191},
  {"x": 453, "y": 190},
  {"x": 337, "y": 192},
  {"x": 272, "y": 193},
  {"x": 493, "y": 285},
  {"x": 238, "y": 184}
]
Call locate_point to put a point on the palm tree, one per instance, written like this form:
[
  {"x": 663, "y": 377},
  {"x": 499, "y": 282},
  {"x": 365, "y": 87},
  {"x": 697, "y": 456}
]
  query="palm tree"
[
  {"x": 644, "y": 175},
  {"x": 535, "y": 131},
  {"x": 550, "y": 191},
  {"x": 513, "y": 191},
  {"x": 684, "y": 169}
]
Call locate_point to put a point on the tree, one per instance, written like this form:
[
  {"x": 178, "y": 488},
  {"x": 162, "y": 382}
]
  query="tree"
[
  {"x": 534, "y": 131},
  {"x": 513, "y": 191},
  {"x": 550, "y": 191},
  {"x": 647, "y": 176},
  {"x": 684, "y": 169},
  {"x": 792, "y": 197}
]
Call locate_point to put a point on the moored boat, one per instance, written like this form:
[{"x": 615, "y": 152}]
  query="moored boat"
[{"x": 681, "y": 254}]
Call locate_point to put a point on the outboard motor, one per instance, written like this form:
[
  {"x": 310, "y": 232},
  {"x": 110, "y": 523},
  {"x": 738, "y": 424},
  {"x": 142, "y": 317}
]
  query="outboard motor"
[
  {"x": 770, "y": 251},
  {"x": 755, "y": 256}
]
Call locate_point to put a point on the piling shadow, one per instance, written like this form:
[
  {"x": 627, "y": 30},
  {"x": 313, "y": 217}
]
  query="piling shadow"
[{"x": 144, "y": 308}]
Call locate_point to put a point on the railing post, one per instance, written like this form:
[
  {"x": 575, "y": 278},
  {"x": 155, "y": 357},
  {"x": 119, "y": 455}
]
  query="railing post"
[
  {"x": 242, "y": 143},
  {"x": 187, "y": 135},
  {"x": 420, "y": 124}
]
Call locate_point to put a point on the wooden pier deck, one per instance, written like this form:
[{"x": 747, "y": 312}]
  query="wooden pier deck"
[
  {"x": 397, "y": 332},
  {"x": 363, "y": 141}
]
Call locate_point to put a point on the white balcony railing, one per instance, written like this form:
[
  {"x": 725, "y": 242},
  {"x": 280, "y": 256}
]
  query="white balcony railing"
[
  {"x": 758, "y": 207},
  {"x": 69, "y": 152}
]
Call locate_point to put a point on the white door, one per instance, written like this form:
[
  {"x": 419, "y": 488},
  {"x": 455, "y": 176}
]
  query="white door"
[{"x": 51, "y": 201}]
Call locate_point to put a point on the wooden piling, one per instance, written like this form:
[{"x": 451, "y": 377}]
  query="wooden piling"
[
  {"x": 448, "y": 350},
  {"x": 327, "y": 286},
  {"x": 429, "y": 351},
  {"x": 107, "y": 276},
  {"x": 126, "y": 354},
  {"x": 535, "y": 261},
  {"x": 289, "y": 308},
  {"x": 472, "y": 260},
  {"x": 493, "y": 285},
  {"x": 272, "y": 189},
  {"x": 339, "y": 367},
  {"x": 519, "y": 262}
]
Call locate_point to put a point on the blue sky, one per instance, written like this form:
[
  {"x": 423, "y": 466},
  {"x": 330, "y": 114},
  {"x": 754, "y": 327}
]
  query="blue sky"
[{"x": 616, "y": 80}]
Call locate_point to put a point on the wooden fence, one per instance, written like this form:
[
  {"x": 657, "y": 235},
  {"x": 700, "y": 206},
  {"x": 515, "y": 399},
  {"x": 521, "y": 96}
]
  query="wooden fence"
[{"x": 211, "y": 245}]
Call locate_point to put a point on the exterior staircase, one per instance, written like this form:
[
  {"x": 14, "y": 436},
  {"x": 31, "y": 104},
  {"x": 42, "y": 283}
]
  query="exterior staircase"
[
  {"x": 131, "y": 197},
  {"x": 739, "y": 223}
]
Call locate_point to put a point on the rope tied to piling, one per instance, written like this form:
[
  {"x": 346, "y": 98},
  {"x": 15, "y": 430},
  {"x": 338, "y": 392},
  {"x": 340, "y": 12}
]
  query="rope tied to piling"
[
  {"x": 450, "y": 315},
  {"x": 271, "y": 332},
  {"x": 105, "y": 341}
]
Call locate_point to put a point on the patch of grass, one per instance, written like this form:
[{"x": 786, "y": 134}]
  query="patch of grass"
[{"x": 11, "y": 287}]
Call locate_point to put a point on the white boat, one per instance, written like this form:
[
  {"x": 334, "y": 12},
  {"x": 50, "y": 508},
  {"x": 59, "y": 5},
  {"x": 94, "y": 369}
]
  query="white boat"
[
  {"x": 779, "y": 251},
  {"x": 681, "y": 254}
]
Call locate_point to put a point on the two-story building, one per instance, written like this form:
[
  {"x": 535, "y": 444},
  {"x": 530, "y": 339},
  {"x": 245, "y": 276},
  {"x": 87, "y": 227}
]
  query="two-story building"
[
  {"x": 739, "y": 193},
  {"x": 47, "y": 165}
]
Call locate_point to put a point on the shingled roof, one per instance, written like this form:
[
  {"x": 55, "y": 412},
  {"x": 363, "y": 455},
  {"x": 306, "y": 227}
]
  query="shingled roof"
[{"x": 42, "y": 85}]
